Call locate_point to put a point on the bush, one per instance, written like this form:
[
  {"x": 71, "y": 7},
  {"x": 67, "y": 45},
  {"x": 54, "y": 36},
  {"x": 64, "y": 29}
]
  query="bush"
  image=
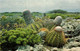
[
  {"x": 78, "y": 17},
  {"x": 0, "y": 39},
  {"x": 54, "y": 15},
  {"x": 11, "y": 22},
  {"x": 19, "y": 36}
]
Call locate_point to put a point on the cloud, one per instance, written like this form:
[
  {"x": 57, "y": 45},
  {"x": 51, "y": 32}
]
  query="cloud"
[{"x": 39, "y": 5}]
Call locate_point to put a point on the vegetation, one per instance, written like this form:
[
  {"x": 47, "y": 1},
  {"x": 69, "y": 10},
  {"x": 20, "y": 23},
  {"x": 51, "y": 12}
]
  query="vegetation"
[
  {"x": 53, "y": 15},
  {"x": 40, "y": 23},
  {"x": 11, "y": 22},
  {"x": 58, "y": 11},
  {"x": 12, "y": 14},
  {"x": 0, "y": 39},
  {"x": 14, "y": 31},
  {"x": 19, "y": 36}
]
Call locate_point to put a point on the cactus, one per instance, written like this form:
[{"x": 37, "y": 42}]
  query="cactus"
[
  {"x": 27, "y": 13},
  {"x": 44, "y": 29},
  {"x": 56, "y": 37},
  {"x": 58, "y": 20},
  {"x": 43, "y": 32},
  {"x": 35, "y": 26},
  {"x": 27, "y": 16},
  {"x": 45, "y": 23},
  {"x": 50, "y": 22}
]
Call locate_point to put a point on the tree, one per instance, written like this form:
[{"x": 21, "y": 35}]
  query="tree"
[{"x": 58, "y": 11}]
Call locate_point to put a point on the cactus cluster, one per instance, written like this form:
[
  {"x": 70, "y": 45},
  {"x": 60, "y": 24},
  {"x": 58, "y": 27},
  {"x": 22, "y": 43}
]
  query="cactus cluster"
[
  {"x": 47, "y": 23},
  {"x": 56, "y": 37},
  {"x": 50, "y": 22}
]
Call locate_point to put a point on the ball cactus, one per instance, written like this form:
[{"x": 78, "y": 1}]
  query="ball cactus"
[
  {"x": 58, "y": 20},
  {"x": 43, "y": 32},
  {"x": 56, "y": 37},
  {"x": 44, "y": 29},
  {"x": 35, "y": 26},
  {"x": 27, "y": 16},
  {"x": 50, "y": 22}
]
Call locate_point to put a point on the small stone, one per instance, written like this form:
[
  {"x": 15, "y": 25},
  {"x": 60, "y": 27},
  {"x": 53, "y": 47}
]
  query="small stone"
[
  {"x": 45, "y": 49},
  {"x": 75, "y": 49},
  {"x": 72, "y": 44},
  {"x": 31, "y": 48},
  {"x": 66, "y": 49},
  {"x": 54, "y": 49}
]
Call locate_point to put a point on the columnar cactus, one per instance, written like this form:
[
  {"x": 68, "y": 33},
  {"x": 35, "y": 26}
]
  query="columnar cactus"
[
  {"x": 27, "y": 13},
  {"x": 56, "y": 37},
  {"x": 27, "y": 16}
]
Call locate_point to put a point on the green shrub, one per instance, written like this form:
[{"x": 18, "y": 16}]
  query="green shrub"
[
  {"x": 19, "y": 36},
  {"x": 11, "y": 22},
  {"x": 54, "y": 15},
  {"x": 78, "y": 17},
  {"x": 0, "y": 39}
]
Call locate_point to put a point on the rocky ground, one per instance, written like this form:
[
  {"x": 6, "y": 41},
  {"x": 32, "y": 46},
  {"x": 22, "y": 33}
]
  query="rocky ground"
[{"x": 72, "y": 45}]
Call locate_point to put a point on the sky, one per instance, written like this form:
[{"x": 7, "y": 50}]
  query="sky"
[{"x": 39, "y": 5}]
